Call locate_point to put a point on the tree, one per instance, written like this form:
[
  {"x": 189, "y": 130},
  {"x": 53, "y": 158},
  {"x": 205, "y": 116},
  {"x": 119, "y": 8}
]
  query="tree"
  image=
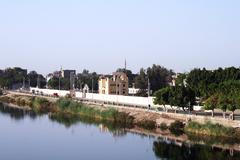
[
  {"x": 141, "y": 82},
  {"x": 211, "y": 103},
  {"x": 223, "y": 104},
  {"x": 159, "y": 77},
  {"x": 11, "y": 76},
  {"x": 181, "y": 79},
  {"x": 233, "y": 104},
  {"x": 184, "y": 97},
  {"x": 53, "y": 83},
  {"x": 87, "y": 78},
  {"x": 206, "y": 82},
  {"x": 33, "y": 78},
  {"x": 179, "y": 96},
  {"x": 162, "y": 97}
]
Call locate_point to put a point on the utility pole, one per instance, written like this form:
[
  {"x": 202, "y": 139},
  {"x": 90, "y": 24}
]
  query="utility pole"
[
  {"x": 29, "y": 82},
  {"x": 92, "y": 84},
  {"x": 59, "y": 82},
  {"x": 59, "y": 78},
  {"x": 149, "y": 87},
  {"x": 23, "y": 83},
  {"x": 38, "y": 81},
  {"x": 189, "y": 107},
  {"x": 80, "y": 83},
  {"x": 72, "y": 81}
]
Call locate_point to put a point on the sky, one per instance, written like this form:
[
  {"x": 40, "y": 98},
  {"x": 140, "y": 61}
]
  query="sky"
[{"x": 98, "y": 35}]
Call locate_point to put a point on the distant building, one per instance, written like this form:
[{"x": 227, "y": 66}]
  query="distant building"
[
  {"x": 174, "y": 78},
  {"x": 133, "y": 91},
  {"x": 115, "y": 84},
  {"x": 86, "y": 88},
  {"x": 62, "y": 73},
  {"x": 67, "y": 73},
  {"x": 49, "y": 76},
  {"x": 173, "y": 82}
]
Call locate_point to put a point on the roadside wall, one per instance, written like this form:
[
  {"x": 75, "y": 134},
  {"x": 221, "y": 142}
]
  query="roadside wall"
[
  {"x": 49, "y": 92},
  {"x": 125, "y": 100},
  {"x": 116, "y": 99}
]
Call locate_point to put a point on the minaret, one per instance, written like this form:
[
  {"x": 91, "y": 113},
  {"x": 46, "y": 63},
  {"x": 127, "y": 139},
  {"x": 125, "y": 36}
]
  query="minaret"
[{"x": 125, "y": 65}]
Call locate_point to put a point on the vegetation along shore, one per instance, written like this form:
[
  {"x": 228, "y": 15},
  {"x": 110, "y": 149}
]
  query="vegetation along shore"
[{"x": 70, "y": 109}]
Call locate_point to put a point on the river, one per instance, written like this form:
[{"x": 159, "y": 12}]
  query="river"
[{"x": 26, "y": 136}]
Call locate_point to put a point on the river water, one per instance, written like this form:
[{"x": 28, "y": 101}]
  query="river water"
[{"x": 26, "y": 136}]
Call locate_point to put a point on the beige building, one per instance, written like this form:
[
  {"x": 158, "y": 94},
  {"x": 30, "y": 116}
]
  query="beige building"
[{"x": 115, "y": 84}]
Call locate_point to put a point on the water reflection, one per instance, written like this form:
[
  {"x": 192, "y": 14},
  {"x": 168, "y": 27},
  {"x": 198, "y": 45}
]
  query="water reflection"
[
  {"x": 162, "y": 148},
  {"x": 181, "y": 151},
  {"x": 16, "y": 113},
  {"x": 104, "y": 126}
]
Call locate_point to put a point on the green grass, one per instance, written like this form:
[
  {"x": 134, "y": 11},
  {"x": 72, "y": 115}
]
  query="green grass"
[
  {"x": 210, "y": 129},
  {"x": 110, "y": 114}
]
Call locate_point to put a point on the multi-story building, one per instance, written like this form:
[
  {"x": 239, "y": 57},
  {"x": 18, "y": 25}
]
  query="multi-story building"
[
  {"x": 67, "y": 73},
  {"x": 115, "y": 84}
]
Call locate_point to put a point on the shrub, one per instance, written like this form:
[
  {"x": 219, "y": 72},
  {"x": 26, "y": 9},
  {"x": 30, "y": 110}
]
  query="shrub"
[
  {"x": 122, "y": 119},
  {"x": 147, "y": 124},
  {"x": 176, "y": 128},
  {"x": 163, "y": 126}
]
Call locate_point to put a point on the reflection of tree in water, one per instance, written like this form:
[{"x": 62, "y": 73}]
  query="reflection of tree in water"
[
  {"x": 16, "y": 113},
  {"x": 69, "y": 120},
  {"x": 170, "y": 150},
  {"x": 213, "y": 140}
]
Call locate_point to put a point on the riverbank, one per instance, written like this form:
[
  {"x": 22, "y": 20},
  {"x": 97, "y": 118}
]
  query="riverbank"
[
  {"x": 67, "y": 107},
  {"x": 122, "y": 117}
]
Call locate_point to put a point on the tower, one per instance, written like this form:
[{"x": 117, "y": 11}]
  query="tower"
[{"x": 125, "y": 65}]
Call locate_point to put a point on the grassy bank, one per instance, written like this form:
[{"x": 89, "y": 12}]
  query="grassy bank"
[
  {"x": 71, "y": 109},
  {"x": 70, "y": 112},
  {"x": 110, "y": 114},
  {"x": 216, "y": 131}
]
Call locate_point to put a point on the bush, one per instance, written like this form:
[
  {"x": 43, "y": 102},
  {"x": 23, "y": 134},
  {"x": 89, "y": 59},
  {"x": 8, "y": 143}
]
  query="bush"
[
  {"x": 147, "y": 124},
  {"x": 163, "y": 126},
  {"x": 122, "y": 118},
  {"x": 176, "y": 128}
]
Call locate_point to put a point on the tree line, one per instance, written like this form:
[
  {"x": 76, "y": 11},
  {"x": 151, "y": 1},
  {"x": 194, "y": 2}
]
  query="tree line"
[
  {"x": 158, "y": 76},
  {"x": 13, "y": 76},
  {"x": 218, "y": 88}
]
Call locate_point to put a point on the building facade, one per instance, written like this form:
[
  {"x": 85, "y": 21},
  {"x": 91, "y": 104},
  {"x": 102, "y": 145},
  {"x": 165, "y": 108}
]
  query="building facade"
[
  {"x": 116, "y": 84},
  {"x": 67, "y": 73}
]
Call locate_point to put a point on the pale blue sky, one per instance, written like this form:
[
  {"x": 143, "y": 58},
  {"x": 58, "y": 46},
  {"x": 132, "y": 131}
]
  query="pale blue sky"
[{"x": 42, "y": 35}]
